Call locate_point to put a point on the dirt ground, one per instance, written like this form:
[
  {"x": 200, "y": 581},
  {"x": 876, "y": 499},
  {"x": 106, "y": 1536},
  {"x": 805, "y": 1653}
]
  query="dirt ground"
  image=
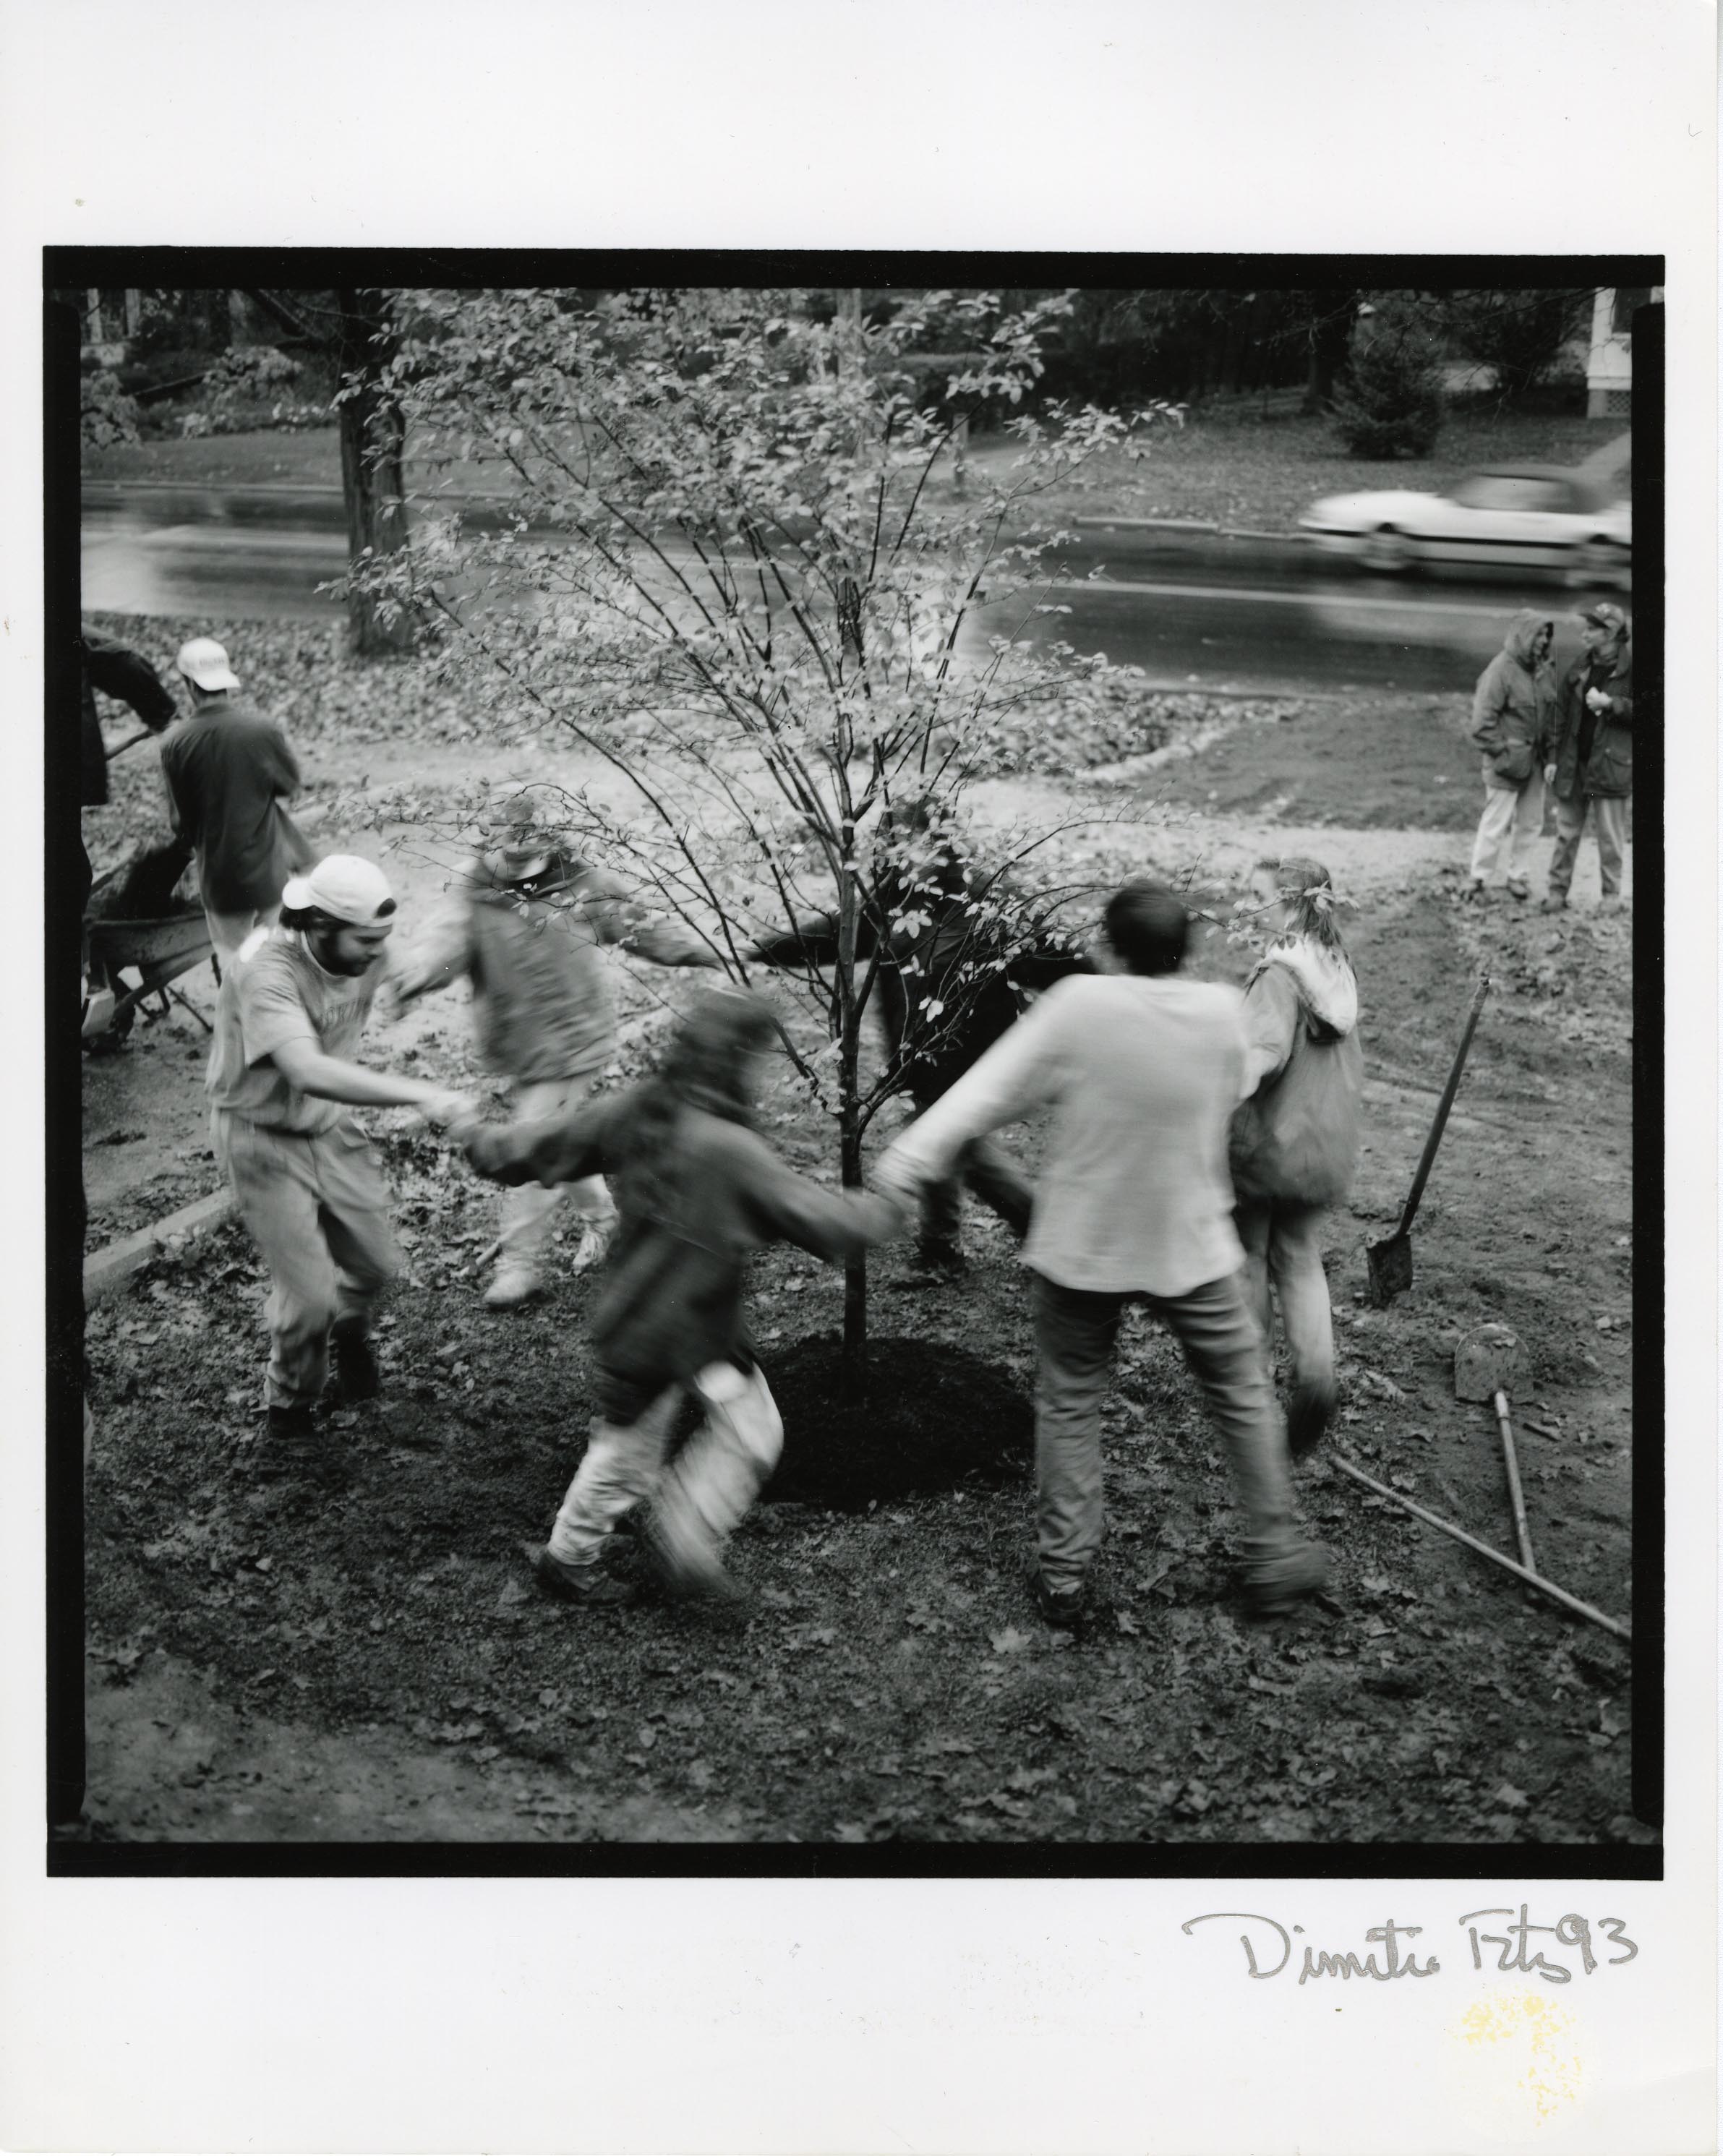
[{"x": 264, "y": 1666}]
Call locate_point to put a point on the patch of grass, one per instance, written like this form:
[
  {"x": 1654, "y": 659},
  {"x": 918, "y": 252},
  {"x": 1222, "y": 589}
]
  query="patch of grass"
[
  {"x": 1370, "y": 763},
  {"x": 311, "y": 458}
]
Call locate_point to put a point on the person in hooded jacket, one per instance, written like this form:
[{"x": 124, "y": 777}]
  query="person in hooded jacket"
[
  {"x": 1293, "y": 1145},
  {"x": 700, "y": 1192},
  {"x": 1513, "y": 711},
  {"x": 525, "y": 926},
  {"x": 1590, "y": 755}
]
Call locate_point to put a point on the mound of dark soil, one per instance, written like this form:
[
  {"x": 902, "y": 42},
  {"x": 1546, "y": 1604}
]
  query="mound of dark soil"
[{"x": 934, "y": 1416}]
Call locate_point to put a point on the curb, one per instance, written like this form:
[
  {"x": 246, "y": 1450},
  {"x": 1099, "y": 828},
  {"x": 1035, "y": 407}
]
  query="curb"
[{"x": 111, "y": 1267}]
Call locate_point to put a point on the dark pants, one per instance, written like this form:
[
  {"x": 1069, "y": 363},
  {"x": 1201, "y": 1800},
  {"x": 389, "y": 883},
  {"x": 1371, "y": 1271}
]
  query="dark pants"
[
  {"x": 994, "y": 1177},
  {"x": 1075, "y": 1329}
]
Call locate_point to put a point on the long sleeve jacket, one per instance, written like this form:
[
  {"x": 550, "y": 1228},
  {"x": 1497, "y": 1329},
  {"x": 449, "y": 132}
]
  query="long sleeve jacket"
[
  {"x": 672, "y": 1301},
  {"x": 542, "y": 1002},
  {"x": 117, "y": 671},
  {"x": 1512, "y": 708},
  {"x": 1605, "y": 768}
]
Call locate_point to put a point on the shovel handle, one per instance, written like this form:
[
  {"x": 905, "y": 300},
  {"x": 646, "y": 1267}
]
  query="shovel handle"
[
  {"x": 1449, "y": 1091},
  {"x": 1516, "y": 1496},
  {"x": 131, "y": 741},
  {"x": 1520, "y": 1571}
]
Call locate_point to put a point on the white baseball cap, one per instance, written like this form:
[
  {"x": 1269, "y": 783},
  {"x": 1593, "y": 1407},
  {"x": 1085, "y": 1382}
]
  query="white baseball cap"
[
  {"x": 344, "y": 887},
  {"x": 204, "y": 661}
]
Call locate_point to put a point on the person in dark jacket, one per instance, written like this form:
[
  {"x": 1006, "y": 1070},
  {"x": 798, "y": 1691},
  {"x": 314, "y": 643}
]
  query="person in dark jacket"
[
  {"x": 118, "y": 671},
  {"x": 1591, "y": 762},
  {"x": 944, "y": 937},
  {"x": 1293, "y": 1145},
  {"x": 700, "y": 1192},
  {"x": 230, "y": 775},
  {"x": 1512, "y": 711},
  {"x": 525, "y": 927}
]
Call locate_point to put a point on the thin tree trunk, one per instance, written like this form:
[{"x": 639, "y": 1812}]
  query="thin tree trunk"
[
  {"x": 853, "y": 1365},
  {"x": 853, "y": 1362},
  {"x": 372, "y": 443}
]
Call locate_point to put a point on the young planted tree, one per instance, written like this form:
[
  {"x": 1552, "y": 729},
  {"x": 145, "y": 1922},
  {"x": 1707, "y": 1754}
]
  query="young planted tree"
[{"x": 735, "y": 572}]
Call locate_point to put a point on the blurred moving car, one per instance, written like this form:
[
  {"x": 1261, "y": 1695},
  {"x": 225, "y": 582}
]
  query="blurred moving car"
[{"x": 1517, "y": 517}]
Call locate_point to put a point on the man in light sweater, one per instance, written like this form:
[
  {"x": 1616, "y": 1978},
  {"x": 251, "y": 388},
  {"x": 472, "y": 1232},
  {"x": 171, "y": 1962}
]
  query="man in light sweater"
[{"x": 1142, "y": 1072}]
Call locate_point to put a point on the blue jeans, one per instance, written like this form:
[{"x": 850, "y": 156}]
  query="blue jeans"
[{"x": 1075, "y": 1329}]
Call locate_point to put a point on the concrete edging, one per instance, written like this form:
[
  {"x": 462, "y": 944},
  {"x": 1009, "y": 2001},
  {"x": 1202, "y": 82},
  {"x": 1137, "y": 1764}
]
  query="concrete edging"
[{"x": 110, "y": 1268}]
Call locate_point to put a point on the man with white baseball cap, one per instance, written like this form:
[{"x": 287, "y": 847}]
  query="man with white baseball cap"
[
  {"x": 230, "y": 775},
  {"x": 293, "y": 1005}
]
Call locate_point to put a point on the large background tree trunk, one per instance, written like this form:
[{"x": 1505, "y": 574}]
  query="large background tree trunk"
[{"x": 373, "y": 441}]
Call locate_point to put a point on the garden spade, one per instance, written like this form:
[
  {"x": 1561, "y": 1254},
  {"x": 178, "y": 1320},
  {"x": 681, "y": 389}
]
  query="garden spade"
[
  {"x": 1391, "y": 1259},
  {"x": 1485, "y": 1363}
]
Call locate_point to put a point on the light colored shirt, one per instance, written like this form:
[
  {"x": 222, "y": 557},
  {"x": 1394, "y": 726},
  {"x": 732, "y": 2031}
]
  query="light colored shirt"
[
  {"x": 272, "y": 992},
  {"x": 1142, "y": 1074}
]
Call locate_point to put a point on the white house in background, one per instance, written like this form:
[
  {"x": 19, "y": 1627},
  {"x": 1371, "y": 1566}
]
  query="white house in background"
[{"x": 1609, "y": 363}]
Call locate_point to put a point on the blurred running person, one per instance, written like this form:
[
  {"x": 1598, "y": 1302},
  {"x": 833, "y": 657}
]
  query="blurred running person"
[
  {"x": 700, "y": 1193},
  {"x": 1591, "y": 765},
  {"x": 230, "y": 776},
  {"x": 293, "y": 1005},
  {"x": 525, "y": 927},
  {"x": 1295, "y": 1136},
  {"x": 1142, "y": 1072},
  {"x": 1513, "y": 710}
]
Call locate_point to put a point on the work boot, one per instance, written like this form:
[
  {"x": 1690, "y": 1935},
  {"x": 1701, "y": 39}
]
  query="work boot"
[
  {"x": 1476, "y": 893},
  {"x": 1275, "y": 1583},
  {"x": 588, "y": 1585},
  {"x": 1612, "y": 902},
  {"x": 1061, "y": 1607},
  {"x": 355, "y": 1371},
  {"x": 513, "y": 1286},
  {"x": 940, "y": 1254},
  {"x": 1307, "y": 1415},
  {"x": 594, "y": 1245},
  {"x": 1519, "y": 888},
  {"x": 1557, "y": 902}
]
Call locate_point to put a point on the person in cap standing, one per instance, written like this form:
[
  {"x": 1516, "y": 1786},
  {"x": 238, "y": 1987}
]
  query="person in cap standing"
[
  {"x": 293, "y": 1005},
  {"x": 1142, "y": 1072},
  {"x": 1592, "y": 756},
  {"x": 230, "y": 775},
  {"x": 1511, "y": 712},
  {"x": 525, "y": 927}
]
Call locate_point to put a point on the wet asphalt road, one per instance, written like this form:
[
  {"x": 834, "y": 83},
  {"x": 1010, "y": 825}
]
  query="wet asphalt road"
[{"x": 1204, "y": 615}]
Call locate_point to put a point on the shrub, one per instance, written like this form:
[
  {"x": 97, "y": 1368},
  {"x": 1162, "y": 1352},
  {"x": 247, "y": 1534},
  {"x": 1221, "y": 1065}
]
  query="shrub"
[
  {"x": 1391, "y": 403},
  {"x": 105, "y": 413}
]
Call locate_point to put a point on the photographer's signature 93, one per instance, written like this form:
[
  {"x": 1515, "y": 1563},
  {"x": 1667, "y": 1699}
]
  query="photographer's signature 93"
[{"x": 1399, "y": 1959}]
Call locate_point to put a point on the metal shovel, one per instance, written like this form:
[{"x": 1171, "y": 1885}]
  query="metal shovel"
[
  {"x": 1485, "y": 1363},
  {"x": 1391, "y": 1259}
]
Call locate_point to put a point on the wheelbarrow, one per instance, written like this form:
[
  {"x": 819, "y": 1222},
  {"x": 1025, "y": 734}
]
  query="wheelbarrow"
[{"x": 157, "y": 951}]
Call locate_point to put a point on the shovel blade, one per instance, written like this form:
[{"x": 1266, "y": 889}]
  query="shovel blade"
[{"x": 1390, "y": 1268}]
